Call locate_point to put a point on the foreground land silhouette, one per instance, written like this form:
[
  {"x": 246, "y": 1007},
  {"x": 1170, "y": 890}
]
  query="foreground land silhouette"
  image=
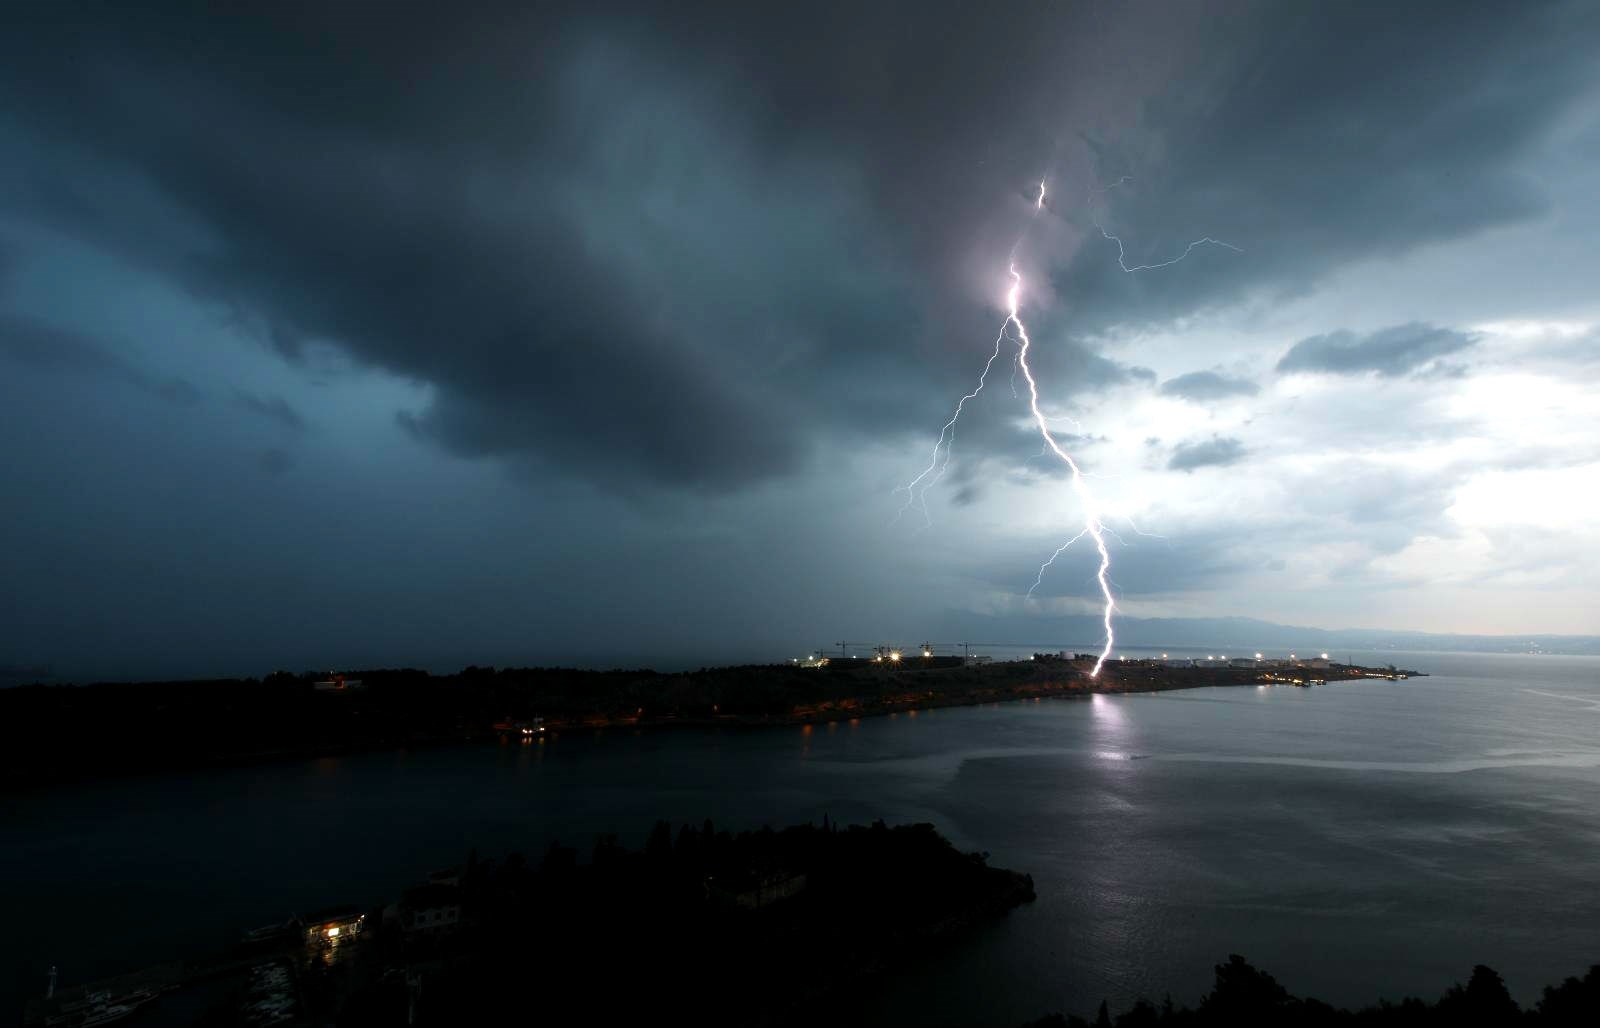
[
  {"x": 729, "y": 929},
  {"x": 1245, "y": 995},
  {"x": 700, "y": 926}
]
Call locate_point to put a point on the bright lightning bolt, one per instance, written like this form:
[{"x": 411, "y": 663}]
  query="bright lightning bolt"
[
  {"x": 947, "y": 435},
  {"x": 1091, "y": 513},
  {"x": 1093, "y": 526}
]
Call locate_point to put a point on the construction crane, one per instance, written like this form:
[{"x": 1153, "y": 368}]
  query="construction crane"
[
  {"x": 966, "y": 647},
  {"x": 927, "y": 648}
]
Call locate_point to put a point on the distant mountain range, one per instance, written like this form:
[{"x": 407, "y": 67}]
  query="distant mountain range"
[{"x": 1249, "y": 633}]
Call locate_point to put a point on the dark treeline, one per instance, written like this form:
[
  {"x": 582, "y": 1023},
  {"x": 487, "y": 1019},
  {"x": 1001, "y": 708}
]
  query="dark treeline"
[
  {"x": 54, "y": 732},
  {"x": 1243, "y": 995},
  {"x": 628, "y": 936}
]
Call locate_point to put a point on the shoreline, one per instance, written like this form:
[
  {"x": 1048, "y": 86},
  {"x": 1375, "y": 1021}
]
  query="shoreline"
[{"x": 849, "y": 694}]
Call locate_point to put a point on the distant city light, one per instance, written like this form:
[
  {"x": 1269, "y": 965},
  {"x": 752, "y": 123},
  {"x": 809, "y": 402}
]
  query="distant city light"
[{"x": 895, "y": 655}]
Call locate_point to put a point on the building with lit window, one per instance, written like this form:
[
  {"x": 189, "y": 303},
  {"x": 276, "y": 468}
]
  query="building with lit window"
[{"x": 327, "y": 928}]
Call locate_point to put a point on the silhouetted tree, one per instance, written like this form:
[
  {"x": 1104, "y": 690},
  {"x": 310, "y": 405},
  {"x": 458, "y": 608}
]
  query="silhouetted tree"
[
  {"x": 608, "y": 851},
  {"x": 1484, "y": 1001},
  {"x": 559, "y": 860},
  {"x": 1244, "y": 995},
  {"x": 658, "y": 847},
  {"x": 1573, "y": 1002},
  {"x": 1142, "y": 1015}
]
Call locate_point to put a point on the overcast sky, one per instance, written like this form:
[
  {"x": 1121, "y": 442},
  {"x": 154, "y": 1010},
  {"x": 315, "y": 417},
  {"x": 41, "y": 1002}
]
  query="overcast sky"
[{"x": 344, "y": 335}]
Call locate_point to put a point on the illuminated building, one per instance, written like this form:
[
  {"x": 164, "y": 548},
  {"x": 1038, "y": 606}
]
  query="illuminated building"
[{"x": 333, "y": 927}]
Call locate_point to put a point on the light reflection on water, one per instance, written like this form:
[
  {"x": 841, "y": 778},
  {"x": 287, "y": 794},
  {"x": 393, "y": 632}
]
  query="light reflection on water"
[{"x": 1357, "y": 839}]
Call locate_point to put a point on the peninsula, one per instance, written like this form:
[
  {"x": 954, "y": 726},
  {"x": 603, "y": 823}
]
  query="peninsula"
[{"x": 51, "y": 733}]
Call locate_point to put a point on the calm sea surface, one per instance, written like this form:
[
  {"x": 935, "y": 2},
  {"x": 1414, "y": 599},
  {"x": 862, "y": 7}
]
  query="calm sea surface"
[{"x": 1358, "y": 839}]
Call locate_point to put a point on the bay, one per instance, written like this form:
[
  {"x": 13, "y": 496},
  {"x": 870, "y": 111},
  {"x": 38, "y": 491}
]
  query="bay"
[{"x": 1358, "y": 839}]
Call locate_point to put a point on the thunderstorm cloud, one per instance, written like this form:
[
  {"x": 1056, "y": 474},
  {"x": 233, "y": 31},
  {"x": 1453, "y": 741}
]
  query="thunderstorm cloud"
[
  {"x": 273, "y": 408},
  {"x": 501, "y": 332}
]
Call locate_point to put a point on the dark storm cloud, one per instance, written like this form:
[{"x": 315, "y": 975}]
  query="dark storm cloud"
[
  {"x": 1317, "y": 135},
  {"x": 274, "y": 461},
  {"x": 1217, "y": 451},
  {"x": 676, "y": 246},
  {"x": 273, "y": 408},
  {"x": 29, "y": 342},
  {"x": 175, "y": 390},
  {"x": 1388, "y": 352},
  {"x": 9, "y": 258},
  {"x": 47, "y": 348},
  {"x": 684, "y": 246},
  {"x": 1208, "y": 385}
]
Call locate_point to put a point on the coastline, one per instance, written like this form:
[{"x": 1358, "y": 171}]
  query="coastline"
[{"x": 176, "y": 728}]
